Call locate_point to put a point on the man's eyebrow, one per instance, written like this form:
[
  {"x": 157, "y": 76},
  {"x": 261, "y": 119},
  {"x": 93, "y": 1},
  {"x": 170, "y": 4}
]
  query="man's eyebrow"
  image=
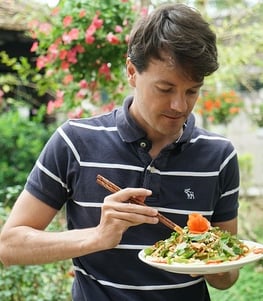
[
  {"x": 164, "y": 82},
  {"x": 198, "y": 85}
]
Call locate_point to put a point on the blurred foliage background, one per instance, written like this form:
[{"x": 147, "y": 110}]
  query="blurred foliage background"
[{"x": 76, "y": 68}]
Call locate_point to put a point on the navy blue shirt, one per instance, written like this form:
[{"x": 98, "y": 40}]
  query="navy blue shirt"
[{"x": 198, "y": 173}]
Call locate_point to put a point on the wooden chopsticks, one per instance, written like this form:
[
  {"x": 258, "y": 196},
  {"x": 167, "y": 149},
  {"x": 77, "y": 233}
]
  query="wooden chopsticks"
[{"x": 114, "y": 188}]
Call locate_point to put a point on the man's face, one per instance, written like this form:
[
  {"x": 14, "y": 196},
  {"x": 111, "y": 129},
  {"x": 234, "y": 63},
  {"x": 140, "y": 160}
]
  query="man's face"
[{"x": 163, "y": 98}]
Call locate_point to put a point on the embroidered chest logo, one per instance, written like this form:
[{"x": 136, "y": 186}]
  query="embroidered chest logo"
[{"x": 190, "y": 194}]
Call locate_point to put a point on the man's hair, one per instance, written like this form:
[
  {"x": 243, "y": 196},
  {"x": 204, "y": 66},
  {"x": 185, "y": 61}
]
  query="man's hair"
[{"x": 178, "y": 31}]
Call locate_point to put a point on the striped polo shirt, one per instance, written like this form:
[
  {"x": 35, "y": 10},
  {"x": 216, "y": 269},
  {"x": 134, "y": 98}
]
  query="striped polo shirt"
[{"x": 198, "y": 173}]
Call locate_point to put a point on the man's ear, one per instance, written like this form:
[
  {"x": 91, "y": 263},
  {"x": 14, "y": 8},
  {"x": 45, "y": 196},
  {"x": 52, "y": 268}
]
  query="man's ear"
[{"x": 131, "y": 72}]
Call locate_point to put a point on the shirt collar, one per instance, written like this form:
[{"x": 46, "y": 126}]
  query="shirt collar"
[
  {"x": 130, "y": 131},
  {"x": 127, "y": 127}
]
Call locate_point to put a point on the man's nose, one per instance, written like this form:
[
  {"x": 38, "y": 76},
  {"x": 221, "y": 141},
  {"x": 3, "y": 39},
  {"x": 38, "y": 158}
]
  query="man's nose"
[{"x": 178, "y": 103}]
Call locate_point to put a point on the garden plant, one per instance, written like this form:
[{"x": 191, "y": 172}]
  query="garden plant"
[{"x": 81, "y": 50}]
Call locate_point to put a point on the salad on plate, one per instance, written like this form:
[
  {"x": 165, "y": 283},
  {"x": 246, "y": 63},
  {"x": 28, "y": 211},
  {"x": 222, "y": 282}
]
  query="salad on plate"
[{"x": 198, "y": 242}]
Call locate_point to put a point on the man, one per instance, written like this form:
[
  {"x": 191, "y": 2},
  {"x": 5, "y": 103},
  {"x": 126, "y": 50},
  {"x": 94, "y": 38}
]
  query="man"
[{"x": 150, "y": 145}]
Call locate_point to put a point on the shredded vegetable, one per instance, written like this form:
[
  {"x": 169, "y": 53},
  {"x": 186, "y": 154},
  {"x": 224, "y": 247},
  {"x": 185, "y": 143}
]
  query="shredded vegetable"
[{"x": 211, "y": 245}]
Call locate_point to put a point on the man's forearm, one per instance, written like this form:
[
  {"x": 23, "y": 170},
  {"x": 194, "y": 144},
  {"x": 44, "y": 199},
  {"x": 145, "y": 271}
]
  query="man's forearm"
[
  {"x": 25, "y": 245},
  {"x": 223, "y": 280}
]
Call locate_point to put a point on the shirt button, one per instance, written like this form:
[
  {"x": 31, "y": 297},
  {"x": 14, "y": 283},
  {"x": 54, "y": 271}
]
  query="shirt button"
[{"x": 143, "y": 144}]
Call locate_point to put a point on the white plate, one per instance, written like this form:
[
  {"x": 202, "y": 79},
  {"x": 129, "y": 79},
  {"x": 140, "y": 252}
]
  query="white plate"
[{"x": 204, "y": 268}]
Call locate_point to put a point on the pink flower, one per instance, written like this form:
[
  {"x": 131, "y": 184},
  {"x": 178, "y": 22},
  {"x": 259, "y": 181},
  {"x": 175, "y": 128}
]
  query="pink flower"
[
  {"x": 72, "y": 56},
  {"x": 76, "y": 114},
  {"x": 64, "y": 65},
  {"x": 113, "y": 39},
  {"x": 89, "y": 38},
  {"x": 55, "y": 104},
  {"x": 82, "y": 93},
  {"x": 105, "y": 70},
  {"x": 89, "y": 34},
  {"x": 79, "y": 48},
  {"x": 67, "y": 21},
  {"x": 73, "y": 34},
  {"x": 82, "y": 13},
  {"x": 97, "y": 22},
  {"x": 60, "y": 94},
  {"x": 66, "y": 38},
  {"x": 83, "y": 84},
  {"x": 91, "y": 30},
  {"x": 50, "y": 107},
  {"x": 34, "y": 47},
  {"x": 58, "y": 103},
  {"x": 41, "y": 62},
  {"x": 67, "y": 79},
  {"x": 63, "y": 54},
  {"x": 108, "y": 107},
  {"x": 118, "y": 28},
  {"x": 53, "y": 51},
  {"x": 45, "y": 28},
  {"x": 144, "y": 11}
]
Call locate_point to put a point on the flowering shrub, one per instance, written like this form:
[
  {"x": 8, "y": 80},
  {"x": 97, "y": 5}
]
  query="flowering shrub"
[
  {"x": 81, "y": 53},
  {"x": 219, "y": 108}
]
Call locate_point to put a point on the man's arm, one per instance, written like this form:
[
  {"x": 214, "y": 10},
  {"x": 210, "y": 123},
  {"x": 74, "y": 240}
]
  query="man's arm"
[{"x": 24, "y": 240}]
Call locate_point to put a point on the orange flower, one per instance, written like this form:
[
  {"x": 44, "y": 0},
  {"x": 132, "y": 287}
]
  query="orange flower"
[
  {"x": 217, "y": 103},
  {"x": 197, "y": 223},
  {"x": 208, "y": 105},
  {"x": 234, "y": 110},
  {"x": 219, "y": 108}
]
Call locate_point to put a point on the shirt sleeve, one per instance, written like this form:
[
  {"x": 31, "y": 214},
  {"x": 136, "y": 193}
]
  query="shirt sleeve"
[
  {"x": 51, "y": 177},
  {"x": 227, "y": 205}
]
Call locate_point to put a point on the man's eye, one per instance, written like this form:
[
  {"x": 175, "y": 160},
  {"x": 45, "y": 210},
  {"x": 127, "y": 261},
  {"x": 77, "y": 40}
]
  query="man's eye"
[
  {"x": 164, "y": 90},
  {"x": 193, "y": 92}
]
